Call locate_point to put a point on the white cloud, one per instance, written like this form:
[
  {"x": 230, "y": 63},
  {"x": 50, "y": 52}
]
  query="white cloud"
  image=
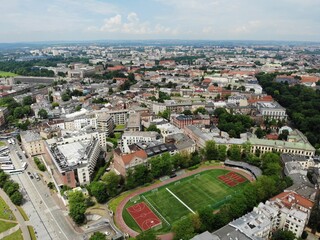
[
  {"x": 132, "y": 25},
  {"x": 112, "y": 24}
]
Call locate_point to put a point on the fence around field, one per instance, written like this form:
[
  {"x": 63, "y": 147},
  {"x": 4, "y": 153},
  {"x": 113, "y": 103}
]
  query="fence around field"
[{"x": 155, "y": 210}]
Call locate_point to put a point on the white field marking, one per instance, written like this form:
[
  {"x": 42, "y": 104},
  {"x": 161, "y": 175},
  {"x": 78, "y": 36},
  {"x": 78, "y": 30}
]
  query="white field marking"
[{"x": 181, "y": 201}]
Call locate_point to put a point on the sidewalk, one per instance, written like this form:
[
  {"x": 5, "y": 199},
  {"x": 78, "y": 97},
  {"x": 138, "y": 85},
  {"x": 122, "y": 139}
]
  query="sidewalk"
[
  {"x": 20, "y": 220},
  {"x": 9, "y": 231}
]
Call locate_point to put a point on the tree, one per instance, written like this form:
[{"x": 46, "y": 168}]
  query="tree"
[
  {"x": 207, "y": 218},
  {"x": 234, "y": 152},
  {"x": 142, "y": 175},
  {"x": 304, "y": 235},
  {"x": 65, "y": 97},
  {"x": 210, "y": 150},
  {"x": 283, "y": 235},
  {"x": 3, "y": 178},
  {"x": 17, "y": 198},
  {"x": 112, "y": 181},
  {"x": 222, "y": 152},
  {"x": 187, "y": 112},
  {"x": 147, "y": 235},
  {"x": 10, "y": 187},
  {"x": 260, "y": 133},
  {"x": 43, "y": 113},
  {"x": 99, "y": 191},
  {"x": 184, "y": 230},
  {"x": 27, "y": 100},
  {"x": 153, "y": 128},
  {"x": 161, "y": 165},
  {"x": 54, "y": 104},
  {"x": 284, "y": 135},
  {"x": 26, "y": 110},
  {"x": 18, "y": 112},
  {"x": 98, "y": 236},
  {"x": 165, "y": 114},
  {"x": 78, "y": 108},
  {"x": 201, "y": 110},
  {"x": 77, "y": 207}
]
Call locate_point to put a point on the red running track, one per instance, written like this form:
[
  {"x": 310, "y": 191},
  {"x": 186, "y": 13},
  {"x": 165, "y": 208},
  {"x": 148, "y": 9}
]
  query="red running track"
[{"x": 169, "y": 236}]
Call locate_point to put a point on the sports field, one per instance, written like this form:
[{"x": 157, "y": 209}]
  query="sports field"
[
  {"x": 173, "y": 201},
  {"x": 7, "y": 74}
]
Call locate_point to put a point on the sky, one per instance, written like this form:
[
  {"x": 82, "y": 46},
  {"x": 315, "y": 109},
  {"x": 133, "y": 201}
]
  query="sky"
[{"x": 82, "y": 20}]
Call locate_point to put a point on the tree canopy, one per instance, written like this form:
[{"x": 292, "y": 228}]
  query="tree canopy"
[{"x": 301, "y": 102}]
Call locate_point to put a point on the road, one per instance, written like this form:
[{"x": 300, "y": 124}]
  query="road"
[{"x": 44, "y": 214}]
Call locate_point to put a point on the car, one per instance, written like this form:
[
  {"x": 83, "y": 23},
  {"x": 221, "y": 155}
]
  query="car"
[
  {"x": 29, "y": 173},
  {"x": 173, "y": 175},
  {"x": 31, "y": 177}
]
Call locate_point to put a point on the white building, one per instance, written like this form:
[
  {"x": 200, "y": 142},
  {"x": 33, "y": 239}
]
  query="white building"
[
  {"x": 239, "y": 100},
  {"x": 129, "y": 138},
  {"x": 73, "y": 159},
  {"x": 272, "y": 110}
]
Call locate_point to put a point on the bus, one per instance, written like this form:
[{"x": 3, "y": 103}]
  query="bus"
[
  {"x": 4, "y": 149},
  {"x": 5, "y": 162},
  {"x": 15, "y": 171},
  {"x": 4, "y": 158},
  {"x": 24, "y": 165},
  {"x": 7, "y": 167}
]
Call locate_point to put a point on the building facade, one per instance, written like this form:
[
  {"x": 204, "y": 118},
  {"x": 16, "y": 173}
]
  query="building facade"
[{"x": 32, "y": 143}]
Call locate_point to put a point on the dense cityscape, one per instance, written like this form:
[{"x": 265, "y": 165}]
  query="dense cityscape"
[
  {"x": 198, "y": 140},
  {"x": 160, "y": 120}
]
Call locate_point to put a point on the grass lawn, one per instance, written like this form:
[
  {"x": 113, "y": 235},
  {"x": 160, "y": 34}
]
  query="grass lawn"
[
  {"x": 22, "y": 212},
  {"x": 2, "y": 144},
  {"x": 7, "y": 74},
  {"x": 32, "y": 233},
  {"x": 120, "y": 127},
  {"x": 113, "y": 204},
  {"x": 196, "y": 192},
  {"x": 4, "y": 226},
  {"x": 14, "y": 236},
  {"x": 5, "y": 211}
]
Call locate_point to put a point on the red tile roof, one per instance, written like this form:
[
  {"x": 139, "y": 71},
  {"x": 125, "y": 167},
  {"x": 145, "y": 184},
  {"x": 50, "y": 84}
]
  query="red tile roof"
[
  {"x": 289, "y": 199},
  {"x": 310, "y": 79},
  {"x": 127, "y": 158}
]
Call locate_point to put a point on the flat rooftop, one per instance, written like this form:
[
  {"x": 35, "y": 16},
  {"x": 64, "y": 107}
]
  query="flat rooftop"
[
  {"x": 73, "y": 152},
  {"x": 30, "y": 136},
  {"x": 133, "y": 120}
]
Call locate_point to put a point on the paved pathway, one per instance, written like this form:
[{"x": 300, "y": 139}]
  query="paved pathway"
[
  {"x": 17, "y": 214},
  {"x": 118, "y": 215},
  {"x": 9, "y": 231}
]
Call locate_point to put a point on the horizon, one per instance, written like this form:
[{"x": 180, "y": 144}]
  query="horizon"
[
  {"x": 212, "y": 20},
  {"x": 160, "y": 40}
]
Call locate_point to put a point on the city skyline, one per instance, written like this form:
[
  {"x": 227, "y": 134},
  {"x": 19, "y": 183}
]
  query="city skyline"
[{"x": 284, "y": 20}]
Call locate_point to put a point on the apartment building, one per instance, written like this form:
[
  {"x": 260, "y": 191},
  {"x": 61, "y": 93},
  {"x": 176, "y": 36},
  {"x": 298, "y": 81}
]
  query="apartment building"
[
  {"x": 3, "y": 114},
  {"x": 184, "y": 120},
  {"x": 286, "y": 211},
  {"x": 134, "y": 122},
  {"x": 105, "y": 123},
  {"x": 298, "y": 146},
  {"x": 129, "y": 138},
  {"x": 123, "y": 162},
  {"x": 73, "y": 161},
  {"x": 272, "y": 110},
  {"x": 32, "y": 143}
]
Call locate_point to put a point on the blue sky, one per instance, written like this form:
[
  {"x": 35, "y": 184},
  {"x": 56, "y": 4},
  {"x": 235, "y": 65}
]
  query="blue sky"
[{"x": 54, "y": 20}]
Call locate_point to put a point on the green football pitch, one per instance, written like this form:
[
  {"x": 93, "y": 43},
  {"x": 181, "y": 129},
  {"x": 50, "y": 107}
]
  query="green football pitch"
[
  {"x": 7, "y": 74},
  {"x": 188, "y": 195}
]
